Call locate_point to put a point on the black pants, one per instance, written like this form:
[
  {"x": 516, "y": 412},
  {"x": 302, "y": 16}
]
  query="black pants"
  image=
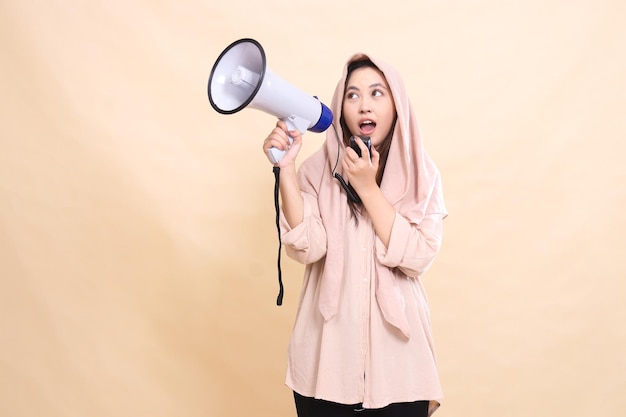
[{"x": 311, "y": 407}]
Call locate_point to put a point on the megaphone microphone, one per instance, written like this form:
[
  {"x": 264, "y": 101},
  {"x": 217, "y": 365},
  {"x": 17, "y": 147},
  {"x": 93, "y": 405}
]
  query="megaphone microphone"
[{"x": 240, "y": 78}]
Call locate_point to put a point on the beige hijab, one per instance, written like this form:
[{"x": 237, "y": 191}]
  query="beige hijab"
[{"x": 411, "y": 183}]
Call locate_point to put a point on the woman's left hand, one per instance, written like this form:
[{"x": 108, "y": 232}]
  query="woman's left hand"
[{"x": 361, "y": 171}]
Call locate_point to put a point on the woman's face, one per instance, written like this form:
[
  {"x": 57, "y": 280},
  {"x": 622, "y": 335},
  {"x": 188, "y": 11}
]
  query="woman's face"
[{"x": 368, "y": 107}]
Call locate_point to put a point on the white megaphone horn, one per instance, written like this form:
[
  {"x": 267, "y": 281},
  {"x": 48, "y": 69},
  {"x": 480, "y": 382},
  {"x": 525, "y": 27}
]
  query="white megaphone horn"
[{"x": 240, "y": 78}]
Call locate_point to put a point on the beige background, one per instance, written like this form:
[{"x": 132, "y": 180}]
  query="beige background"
[{"x": 137, "y": 237}]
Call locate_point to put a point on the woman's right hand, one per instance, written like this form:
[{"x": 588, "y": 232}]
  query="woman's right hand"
[{"x": 279, "y": 139}]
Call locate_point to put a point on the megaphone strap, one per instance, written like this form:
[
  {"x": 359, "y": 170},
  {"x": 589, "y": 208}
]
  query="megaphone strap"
[{"x": 279, "y": 300}]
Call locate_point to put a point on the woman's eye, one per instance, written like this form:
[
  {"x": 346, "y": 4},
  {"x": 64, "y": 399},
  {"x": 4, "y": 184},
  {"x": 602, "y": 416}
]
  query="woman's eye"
[
  {"x": 351, "y": 95},
  {"x": 377, "y": 93}
]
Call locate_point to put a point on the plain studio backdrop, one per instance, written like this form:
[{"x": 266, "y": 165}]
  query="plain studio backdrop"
[{"x": 137, "y": 238}]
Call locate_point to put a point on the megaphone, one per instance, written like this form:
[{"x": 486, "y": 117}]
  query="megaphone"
[{"x": 240, "y": 78}]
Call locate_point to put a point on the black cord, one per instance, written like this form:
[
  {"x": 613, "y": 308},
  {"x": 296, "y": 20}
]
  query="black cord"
[
  {"x": 279, "y": 300},
  {"x": 350, "y": 192},
  {"x": 338, "y": 150}
]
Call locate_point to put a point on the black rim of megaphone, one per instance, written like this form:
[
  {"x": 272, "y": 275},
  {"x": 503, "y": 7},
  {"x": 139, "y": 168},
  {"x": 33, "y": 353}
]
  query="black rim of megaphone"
[{"x": 256, "y": 89}]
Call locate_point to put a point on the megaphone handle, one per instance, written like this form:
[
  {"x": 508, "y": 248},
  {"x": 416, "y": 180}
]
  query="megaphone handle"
[
  {"x": 276, "y": 154},
  {"x": 293, "y": 123}
]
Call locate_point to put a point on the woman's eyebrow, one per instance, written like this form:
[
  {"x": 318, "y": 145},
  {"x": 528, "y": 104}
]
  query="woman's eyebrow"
[
  {"x": 351, "y": 87},
  {"x": 378, "y": 85}
]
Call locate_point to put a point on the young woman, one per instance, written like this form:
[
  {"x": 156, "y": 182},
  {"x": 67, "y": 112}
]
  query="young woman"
[{"x": 366, "y": 228}]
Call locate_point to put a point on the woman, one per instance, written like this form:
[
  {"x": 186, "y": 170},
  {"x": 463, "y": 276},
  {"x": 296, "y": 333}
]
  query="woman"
[{"x": 362, "y": 342}]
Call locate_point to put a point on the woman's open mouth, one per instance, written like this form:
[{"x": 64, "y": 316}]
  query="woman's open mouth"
[{"x": 367, "y": 127}]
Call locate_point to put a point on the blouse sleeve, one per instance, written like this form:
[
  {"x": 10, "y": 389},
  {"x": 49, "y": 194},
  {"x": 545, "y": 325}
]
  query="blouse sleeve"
[
  {"x": 412, "y": 247},
  {"x": 305, "y": 243}
]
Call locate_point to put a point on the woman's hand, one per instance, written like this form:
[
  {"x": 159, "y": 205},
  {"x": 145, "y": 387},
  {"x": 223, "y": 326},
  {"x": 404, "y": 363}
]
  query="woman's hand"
[
  {"x": 279, "y": 138},
  {"x": 361, "y": 171}
]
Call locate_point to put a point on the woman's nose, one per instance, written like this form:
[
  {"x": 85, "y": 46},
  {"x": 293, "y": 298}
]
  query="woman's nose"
[{"x": 364, "y": 106}]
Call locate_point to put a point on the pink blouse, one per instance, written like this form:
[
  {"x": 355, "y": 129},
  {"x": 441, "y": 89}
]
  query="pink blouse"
[{"x": 356, "y": 356}]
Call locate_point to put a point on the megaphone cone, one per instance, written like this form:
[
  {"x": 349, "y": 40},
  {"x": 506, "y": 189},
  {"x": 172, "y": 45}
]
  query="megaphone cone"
[{"x": 240, "y": 78}]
